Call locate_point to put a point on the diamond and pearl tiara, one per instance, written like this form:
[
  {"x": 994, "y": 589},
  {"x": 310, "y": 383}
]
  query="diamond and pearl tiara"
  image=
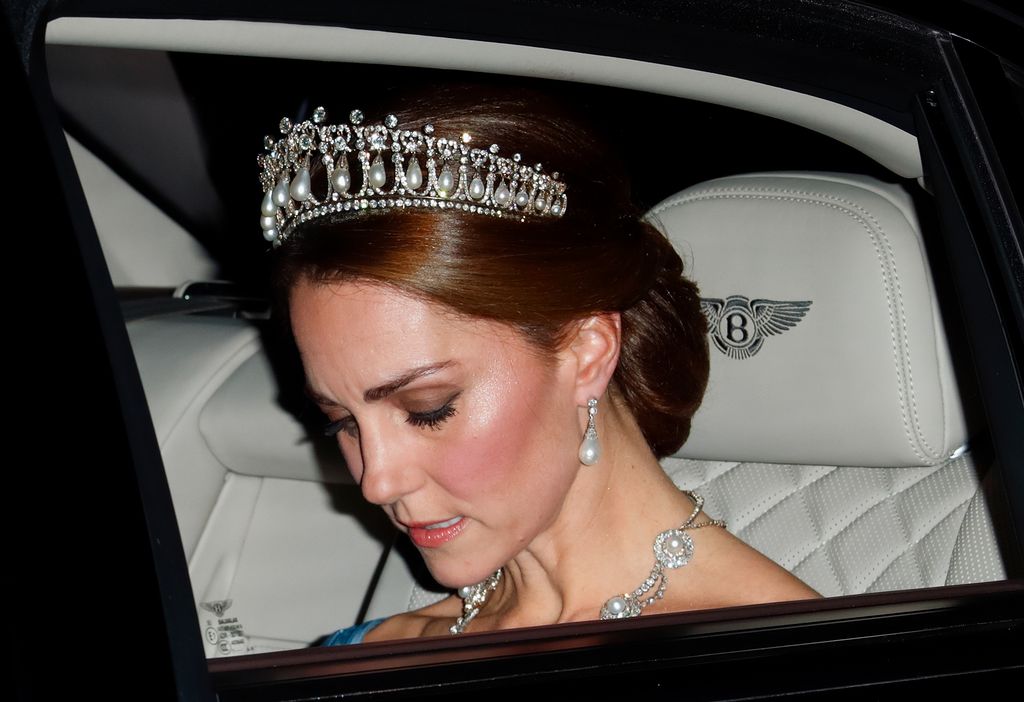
[{"x": 458, "y": 175}]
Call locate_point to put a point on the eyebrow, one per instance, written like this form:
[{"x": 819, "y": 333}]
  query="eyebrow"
[{"x": 381, "y": 391}]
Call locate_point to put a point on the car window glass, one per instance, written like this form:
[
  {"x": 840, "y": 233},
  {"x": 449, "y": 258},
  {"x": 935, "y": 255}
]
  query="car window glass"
[{"x": 283, "y": 550}]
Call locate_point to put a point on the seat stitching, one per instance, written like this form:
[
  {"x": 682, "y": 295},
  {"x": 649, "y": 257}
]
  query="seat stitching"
[
  {"x": 690, "y": 466},
  {"x": 890, "y": 278},
  {"x": 830, "y": 559},
  {"x": 910, "y": 546},
  {"x": 915, "y": 416},
  {"x": 722, "y": 193},
  {"x": 872, "y": 507},
  {"x": 901, "y": 329},
  {"x": 710, "y": 481},
  {"x": 907, "y": 535},
  {"x": 798, "y": 489},
  {"x": 854, "y": 212},
  {"x": 820, "y": 537},
  {"x": 959, "y": 533}
]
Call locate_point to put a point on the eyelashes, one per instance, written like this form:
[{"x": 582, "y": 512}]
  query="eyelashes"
[
  {"x": 431, "y": 418},
  {"x": 346, "y": 424},
  {"x": 434, "y": 418}
]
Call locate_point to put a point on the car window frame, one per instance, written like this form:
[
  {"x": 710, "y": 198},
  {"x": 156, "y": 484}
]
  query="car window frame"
[{"x": 961, "y": 166}]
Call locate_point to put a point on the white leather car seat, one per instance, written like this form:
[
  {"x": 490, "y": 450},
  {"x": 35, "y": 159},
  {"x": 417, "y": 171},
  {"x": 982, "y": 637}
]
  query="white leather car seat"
[
  {"x": 280, "y": 544},
  {"x": 835, "y": 442},
  {"x": 832, "y": 437}
]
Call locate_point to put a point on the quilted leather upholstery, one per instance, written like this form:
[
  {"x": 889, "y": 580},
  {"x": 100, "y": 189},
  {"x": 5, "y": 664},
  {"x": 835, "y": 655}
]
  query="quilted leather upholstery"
[
  {"x": 271, "y": 521},
  {"x": 866, "y": 379},
  {"x": 851, "y": 530},
  {"x": 863, "y": 369},
  {"x": 842, "y": 530},
  {"x": 838, "y": 449}
]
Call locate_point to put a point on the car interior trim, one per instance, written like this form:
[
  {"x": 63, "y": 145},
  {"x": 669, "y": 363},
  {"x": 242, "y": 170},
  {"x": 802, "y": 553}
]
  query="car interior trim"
[{"x": 889, "y": 145}]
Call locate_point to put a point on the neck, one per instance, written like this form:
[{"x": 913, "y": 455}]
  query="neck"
[{"x": 601, "y": 543}]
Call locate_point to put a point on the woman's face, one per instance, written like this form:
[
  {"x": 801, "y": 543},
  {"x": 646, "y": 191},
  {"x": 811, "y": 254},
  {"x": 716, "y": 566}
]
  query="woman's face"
[{"x": 456, "y": 427}]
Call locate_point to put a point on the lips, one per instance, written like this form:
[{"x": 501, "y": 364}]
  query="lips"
[{"x": 433, "y": 534}]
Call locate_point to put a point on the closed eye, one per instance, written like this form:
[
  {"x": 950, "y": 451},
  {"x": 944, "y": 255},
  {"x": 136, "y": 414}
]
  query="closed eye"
[
  {"x": 435, "y": 417},
  {"x": 346, "y": 424}
]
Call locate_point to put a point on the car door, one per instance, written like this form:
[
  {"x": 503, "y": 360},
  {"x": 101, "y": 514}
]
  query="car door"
[{"x": 104, "y": 603}]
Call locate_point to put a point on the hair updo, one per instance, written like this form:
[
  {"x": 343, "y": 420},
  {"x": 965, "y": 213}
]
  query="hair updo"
[{"x": 538, "y": 276}]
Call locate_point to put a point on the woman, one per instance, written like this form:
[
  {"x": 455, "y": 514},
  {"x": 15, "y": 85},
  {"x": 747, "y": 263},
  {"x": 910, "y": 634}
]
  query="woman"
[{"x": 504, "y": 349}]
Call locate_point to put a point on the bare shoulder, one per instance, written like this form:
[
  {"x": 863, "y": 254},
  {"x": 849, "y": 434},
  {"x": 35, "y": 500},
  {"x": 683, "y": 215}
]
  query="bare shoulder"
[
  {"x": 739, "y": 574},
  {"x": 432, "y": 620}
]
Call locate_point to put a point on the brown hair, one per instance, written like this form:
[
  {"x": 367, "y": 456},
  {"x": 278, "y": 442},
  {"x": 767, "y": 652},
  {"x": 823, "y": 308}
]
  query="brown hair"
[{"x": 538, "y": 277}]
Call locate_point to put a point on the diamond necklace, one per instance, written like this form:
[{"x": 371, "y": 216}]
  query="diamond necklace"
[
  {"x": 473, "y": 598},
  {"x": 673, "y": 549}
]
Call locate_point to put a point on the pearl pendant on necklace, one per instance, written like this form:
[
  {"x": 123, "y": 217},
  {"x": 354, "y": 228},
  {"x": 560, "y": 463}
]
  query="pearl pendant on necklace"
[
  {"x": 621, "y": 607},
  {"x": 673, "y": 548}
]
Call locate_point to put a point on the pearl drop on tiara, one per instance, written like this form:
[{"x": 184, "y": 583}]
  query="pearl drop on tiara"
[{"x": 470, "y": 179}]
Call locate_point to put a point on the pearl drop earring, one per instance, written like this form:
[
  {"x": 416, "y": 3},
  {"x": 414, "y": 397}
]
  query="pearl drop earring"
[{"x": 590, "y": 448}]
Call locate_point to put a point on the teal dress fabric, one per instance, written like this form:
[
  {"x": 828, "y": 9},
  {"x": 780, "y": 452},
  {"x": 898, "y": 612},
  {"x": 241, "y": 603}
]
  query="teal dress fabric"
[{"x": 352, "y": 634}]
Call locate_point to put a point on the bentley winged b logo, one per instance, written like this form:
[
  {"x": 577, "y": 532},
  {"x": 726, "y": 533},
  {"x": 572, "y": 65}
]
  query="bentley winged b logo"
[
  {"x": 217, "y": 607},
  {"x": 738, "y": 325}
]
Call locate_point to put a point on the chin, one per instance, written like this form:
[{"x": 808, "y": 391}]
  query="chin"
[{"x": 454, "y": 577}]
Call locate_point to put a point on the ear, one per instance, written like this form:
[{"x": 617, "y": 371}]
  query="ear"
[{"x": 595, "y": 346}]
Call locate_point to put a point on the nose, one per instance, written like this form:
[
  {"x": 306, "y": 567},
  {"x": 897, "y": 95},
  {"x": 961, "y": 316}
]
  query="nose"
[{"x": 388, "y": 470}]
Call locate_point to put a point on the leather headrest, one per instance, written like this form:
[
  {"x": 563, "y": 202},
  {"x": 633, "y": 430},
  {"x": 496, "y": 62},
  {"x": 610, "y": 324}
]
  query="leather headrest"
[
  {"x": 827, "y": 347},
  {"x": 213, "y": 395}
]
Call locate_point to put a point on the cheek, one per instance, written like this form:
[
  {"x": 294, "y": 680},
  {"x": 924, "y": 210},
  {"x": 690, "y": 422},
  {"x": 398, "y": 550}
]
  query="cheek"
[
  {"x": 511, "y": 441},
  {"x": 483, "y": 463}
]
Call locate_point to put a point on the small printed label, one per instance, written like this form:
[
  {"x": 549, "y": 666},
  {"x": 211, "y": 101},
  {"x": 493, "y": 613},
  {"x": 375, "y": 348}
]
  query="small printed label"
[{"x": 225, "y": 636}]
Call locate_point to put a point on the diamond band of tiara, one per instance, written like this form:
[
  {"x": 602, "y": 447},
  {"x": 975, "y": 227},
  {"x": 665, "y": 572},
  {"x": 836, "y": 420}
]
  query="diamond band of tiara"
[{"x": 458, "y": 175}]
